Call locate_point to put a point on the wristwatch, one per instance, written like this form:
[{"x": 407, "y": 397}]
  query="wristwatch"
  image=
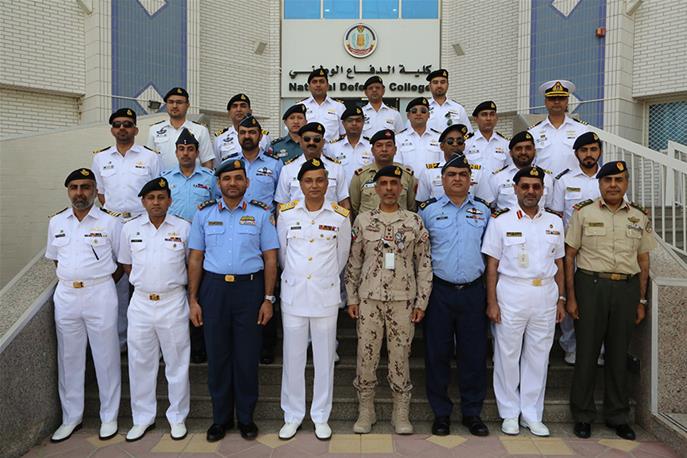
[
  {"x": 272, "y": 299},
  {"x": 563, "y": 298},
  {"x": 643, "y": 301}
]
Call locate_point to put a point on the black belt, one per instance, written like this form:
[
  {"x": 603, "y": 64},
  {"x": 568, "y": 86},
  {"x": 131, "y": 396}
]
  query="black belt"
[
  {"x": 232, "y": 278},
  {"x": 607, "y": 275},
  {"x": 441, "y": 281}
]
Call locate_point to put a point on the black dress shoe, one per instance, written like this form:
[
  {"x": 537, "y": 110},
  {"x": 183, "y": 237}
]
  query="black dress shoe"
[
  {"x": 476, "y": 426},
  {"x": 623, "y": 431},
  {"x": 249, "y": 431},
  {"x": 441, "y": 426},
  {"x": 583, "y": 430},
  {"x": 266, "y": 357},
  {"x": 216, "y": 432},
  {"x": 199, "y": 358}
]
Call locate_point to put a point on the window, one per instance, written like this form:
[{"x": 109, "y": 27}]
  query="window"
[
  {"x": 380, "y": 9},
  {"x": 420, "y": 9},
  {"x": 341, "y": 9},
  {"x": 361, "y": 9},
  {"x": 301, "y": 9}
]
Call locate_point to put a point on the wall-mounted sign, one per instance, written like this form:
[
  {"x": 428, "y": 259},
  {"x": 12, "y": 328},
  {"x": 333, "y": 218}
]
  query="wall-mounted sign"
[{"x": 360, "y": 41}]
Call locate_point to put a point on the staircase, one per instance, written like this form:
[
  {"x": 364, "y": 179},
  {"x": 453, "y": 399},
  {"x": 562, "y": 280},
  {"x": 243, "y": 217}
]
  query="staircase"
[{"x": 556, "y": 407}]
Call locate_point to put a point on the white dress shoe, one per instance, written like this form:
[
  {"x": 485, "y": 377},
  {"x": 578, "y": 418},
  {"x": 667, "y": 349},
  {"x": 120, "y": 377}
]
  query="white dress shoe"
[
  {"x": 536, "y": 427},
  {"x": 570, "y": 357},
  {"x": 108, "y": 430},
  {"x": 288, "y": 430},
  {"x": 138, "y": 431},
  {"x": 64, "y": 432},
  {"x": 178, "y": 431},
  {"x": 510, "y": 426},
  {"x": 323, "y": 432}
]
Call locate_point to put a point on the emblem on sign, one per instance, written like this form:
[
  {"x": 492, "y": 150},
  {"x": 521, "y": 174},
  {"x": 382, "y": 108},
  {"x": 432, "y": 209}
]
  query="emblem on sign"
[{"x": 360, "y": 41}]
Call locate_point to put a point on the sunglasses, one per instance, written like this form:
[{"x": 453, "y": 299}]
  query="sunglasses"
[
  {"x": 457, "y": 141},
  {"x": 176, "y": 102},
  {"x": 419, "y": 110},
  {"x": 312, "y": 139},
  {"x": 533, "y": 187},
  {"x": 124, "y": 124}
]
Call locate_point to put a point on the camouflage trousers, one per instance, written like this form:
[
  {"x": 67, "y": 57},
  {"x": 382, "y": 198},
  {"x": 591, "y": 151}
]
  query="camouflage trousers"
[{"x": 374, "y": 318}]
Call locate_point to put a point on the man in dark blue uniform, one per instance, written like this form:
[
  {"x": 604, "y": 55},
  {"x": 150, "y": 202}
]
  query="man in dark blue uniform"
[
  {"x": 232, "y": 272},
  {"x": 456, "y": 314}
]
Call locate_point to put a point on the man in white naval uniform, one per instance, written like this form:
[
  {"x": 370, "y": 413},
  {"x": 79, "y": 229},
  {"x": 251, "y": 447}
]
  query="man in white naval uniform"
[
  {"x": 444, "y": 111},
  {"x": 312, "y": 143},
  {"x": 226, "y": 142},
  {"x": 418, "y": 145},
  {"x": 485, "y": 146},
  {"x": 525, "y": 247},
  {"x": 120, "y": 172},
  {"x": 351, "y": 150},
  {"x": 163, "y": 135},
  {"x": 378, "y": 116},
  {"x": 314, "y": 239},
  {"x": 322, "y": 108},
  {"x": 83, "y": 241},
  {"x": 555, "y": 135},
  {"x": 153, "y": 251}
]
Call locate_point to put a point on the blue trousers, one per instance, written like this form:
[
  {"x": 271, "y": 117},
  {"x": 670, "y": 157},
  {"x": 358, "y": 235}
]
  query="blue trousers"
[{"x": 456, "y": 320}]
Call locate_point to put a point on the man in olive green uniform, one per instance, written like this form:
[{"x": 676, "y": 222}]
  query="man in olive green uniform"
[
  {"x": 362, "y": 189},
  {"x": 388, "y": 281},
  {"x": 609, "y": 240}
]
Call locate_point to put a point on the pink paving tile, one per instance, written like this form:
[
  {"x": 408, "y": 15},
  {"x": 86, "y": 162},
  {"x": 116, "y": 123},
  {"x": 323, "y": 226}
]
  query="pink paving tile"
[
  {"x": 612, "y": 453},
  {"x": 586, "y": 447},
  {"x": 197, "y": 455},
  {"x": 408, "y": 446},
  {"x": 259, "y": 451},
  {"x": 310, "y": 445},
  {"x": 654, "y": 449},
  {"x": 233, "y": 444},
  {"x": 144, "y": 445},
  {"x": 110, "y": 452}
]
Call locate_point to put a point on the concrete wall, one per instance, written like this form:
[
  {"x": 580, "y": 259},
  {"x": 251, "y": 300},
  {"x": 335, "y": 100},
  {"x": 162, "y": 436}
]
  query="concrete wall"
[{"x": 30, "y": 112}]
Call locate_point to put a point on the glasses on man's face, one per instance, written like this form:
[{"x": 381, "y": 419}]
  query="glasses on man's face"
[
  {"x": 124, "y": 124},
  {"x": 176, "y": 102},
  {"x": 457, "y": 141},
  {"x": 312, "y": 139},
  {"x": 419, "y": 110},
  {"x": 533, "y": 186}
]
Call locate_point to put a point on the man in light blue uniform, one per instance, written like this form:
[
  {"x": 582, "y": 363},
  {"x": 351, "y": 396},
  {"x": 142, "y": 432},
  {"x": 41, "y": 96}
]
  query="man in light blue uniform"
[
  {"x": 456, "y": 223},
  {"x": 232, "y": 272}
]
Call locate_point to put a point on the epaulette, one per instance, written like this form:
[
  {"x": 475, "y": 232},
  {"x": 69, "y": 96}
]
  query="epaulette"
[
  {"x": 96, "y": 151},
  {"x": 337, "y": 139},
  {"x": 469, "y": 135},
  {"x": 480, "y": 200},
  {"x": 159, "y": 122},
  {"x": 150, "y": 149},
  {"x": 194, "y": 122},
  {"x": 403, "y": 130},
  {"x": 341, "y": 210},
  {"x": 553, "y": 212},
  {"x": 359, "y": 171},
  {"x": 291, "y": 160},
  {"x": 424, "y": 204},
  {"x": 408, "y": 170},
  {"x": 260, "y": 204},
  {"x": 207, "y": 203},
  {"x": 433, "y": 165},
  {"x": 265, "y": 132},
  {"x": 203, "y": 169},
  {"x": 534, "y": 125},
  {"x": 220, "y": 131},
  {"x": 639, "y": 207},
  {"x": 500, "y": 170},
  {"x": 336, "y": 161},
  {"x": 276, "y": 140},
  {"x": 366, "y": 138},
  {"x": 435, "y": 131},
  {"x": 501, "y": 135},
  {"x": 558, "y": 177},
  {"x": 548, "y": 171},
  {"x": 581, "y": 121},
  {"x": 339, "y": 100},
  {"x": 582, "y": 204},
  {"x": 499, "y": 211},
  {"x": 271, "y": 154},
  {"x": 287, "y": 206},
  {"x": 475, "y": 166},
  {"x": 58, "y": 212},
  {"x": 110, "y": 212}
]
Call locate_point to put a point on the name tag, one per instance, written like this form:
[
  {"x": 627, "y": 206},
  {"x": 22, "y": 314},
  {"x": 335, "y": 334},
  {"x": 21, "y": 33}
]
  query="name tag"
[
  {"x": 328, "y": 228},
  {"x": 136, "y": 240},
  {"x": 441, "y": 217},
  {"x": 552, "y": 232},
  {"x": 215, "y": 223},
  {"x": 57, "y": 236},
  {"x": 569, "y": 189},
  {"x": 513, "y": 234},
  {"x": 593, "y": 224}
]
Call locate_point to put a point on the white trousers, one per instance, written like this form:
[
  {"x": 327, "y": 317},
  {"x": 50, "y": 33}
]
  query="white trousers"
[
  {"x": 522, "y": 342},
  {"x": 323, "y": 332},
  {"x": 87, "y": 315},
  {"x": 155, "y": 325},
  {"x": 123, "y": 302}
]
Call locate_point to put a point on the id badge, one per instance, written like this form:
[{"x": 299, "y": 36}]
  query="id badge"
[
  {"x": 523, "y": 259},
  {"x": 389, "y": 261}
]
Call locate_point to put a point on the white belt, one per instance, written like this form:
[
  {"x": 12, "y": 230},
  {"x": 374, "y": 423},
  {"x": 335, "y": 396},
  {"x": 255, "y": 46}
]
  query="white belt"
[
  {"x": 160, "y": 296},
  {"x": 530, "y": 281},
  {"x": 85, "y": 283}
]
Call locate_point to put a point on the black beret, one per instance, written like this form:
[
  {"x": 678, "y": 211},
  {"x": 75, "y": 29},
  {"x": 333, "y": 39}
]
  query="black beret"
[
  {"x": 523, "y": 136},
  {"x": 312, "y": 127},
  {"x": 79, "y": 174},
  {"x": 460, "y": 128},
  {"x": 230, "y": 165},
  {"x": 386, "y": 134},
  {"x": 484, "y": 106},
  {"x": 311, "y": 164},
  {"x": 393, "y": 171},
  {"x": 437, "y": 73},
  {"x": 351, "y": 111},
  {"x": 612, "y": 168},
  {"x": 238, "y": 98},
  {"x": 529, "y": 172},
  {"x": 318, "y": 72},
  {"x": 372, "y": 80},
  {"x": 156, "y": 184},
  {"x": 250, "y": 121},
  {"x": 186, "y": 138},
  {"x": 458, "y": 161},
  {"x": 417, "y": 101},
  {"x": 123, "y": 113},
  {"x": 586, "y": 139},
  {"x": 297, "y": 108},
  {"x": 176, "y": 91}
]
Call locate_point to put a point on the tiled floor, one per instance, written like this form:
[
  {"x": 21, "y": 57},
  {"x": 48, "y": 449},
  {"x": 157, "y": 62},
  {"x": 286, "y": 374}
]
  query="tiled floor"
[{"x": 381, "y": 443}]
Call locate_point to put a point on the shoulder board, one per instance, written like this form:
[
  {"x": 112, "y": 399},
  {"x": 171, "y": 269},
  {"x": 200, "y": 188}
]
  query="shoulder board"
[
  {"x": 339, "y": 100},
  {"x": 207, "y": 203},
  {"x": 366, "y": 138},
  {"x": 553, "y": 212},
  {"x": 427, "y": 202},
  {"x": 359, "y": 171},
  {"x": 435, "y": 131},
  {"x": 548, "y": 171},
  {"x": 138, "y": 216},
  {"x": 341, "y": 210},
  {"x": 469, "y": 135},
  {"x": 337, "y": 139},
  {"x": 300, "y": 101},
  {"x": 558, "y": 177},
  {"x": 501, "y": 135},
  {"x": 639, "y": 207},
  {"x": 433, "y": 165},
  {"x": 276, "y": 140},
  {"x": 580, "y": 121},
  {"x": 220, "y": 131},
  {"x": 291, "y": 160},
  {"x": 110, "y": 212},
  {"x": 150, "y": 149},
  {"x": 58, "y": 212},
  {"x": 499, "y": 170},
  {"x": 582, "y": 204},
  {"x": 196, "y": 123},
  {"x": 271, "y": 154},
  {"x": 336, "y": 161},
  {"x": 96, "y": 151},
  {"x": 403, "y": 130},
  {"x": 265, "y": 132},
  {"x": 260, "y": 204},
  {"x": 408, "y": 170},
  {"x": 475, "y": 166},
  {"x": 159, "y": 122},
  {"x": 499, "y": 211},
  {"x": 534, "y": 125},
  {"x": 204, "y": 170},
  {"x": 480, "y": 200},
  {"x": 287, "y": 206}
]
